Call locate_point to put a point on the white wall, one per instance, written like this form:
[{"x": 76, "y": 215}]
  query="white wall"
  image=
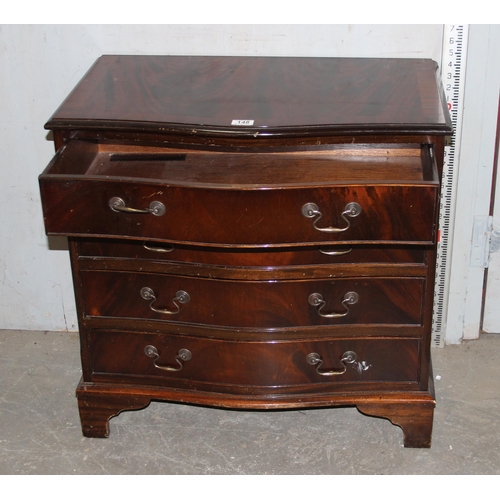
[{"x": 40, "y": 64}]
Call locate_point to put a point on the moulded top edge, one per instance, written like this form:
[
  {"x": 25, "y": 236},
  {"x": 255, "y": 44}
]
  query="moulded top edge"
[
  {"x": 243, "y": 96},
  {"x": 187, "y": 129}
]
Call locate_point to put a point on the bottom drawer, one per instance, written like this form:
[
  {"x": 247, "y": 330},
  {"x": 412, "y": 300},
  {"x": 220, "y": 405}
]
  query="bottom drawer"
[{"x": 245, "y": 366}]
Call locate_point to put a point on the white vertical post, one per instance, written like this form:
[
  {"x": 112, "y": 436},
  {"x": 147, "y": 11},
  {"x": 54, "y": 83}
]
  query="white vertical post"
[{"x": 453, "y": 64}]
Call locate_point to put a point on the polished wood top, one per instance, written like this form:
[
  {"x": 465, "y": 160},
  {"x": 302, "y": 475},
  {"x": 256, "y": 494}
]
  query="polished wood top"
[{"x": 279, "y": 95}]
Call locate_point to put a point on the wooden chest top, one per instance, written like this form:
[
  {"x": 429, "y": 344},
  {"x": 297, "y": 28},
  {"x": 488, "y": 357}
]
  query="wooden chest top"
[{"x": 259, "y": 96}]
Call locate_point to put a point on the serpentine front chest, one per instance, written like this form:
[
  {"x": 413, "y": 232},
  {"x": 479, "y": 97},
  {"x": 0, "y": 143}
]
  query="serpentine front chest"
[{"x": 252, "y": 233}]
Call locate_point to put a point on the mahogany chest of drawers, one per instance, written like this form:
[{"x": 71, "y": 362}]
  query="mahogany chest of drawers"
[{"x": 252, "y": 232}]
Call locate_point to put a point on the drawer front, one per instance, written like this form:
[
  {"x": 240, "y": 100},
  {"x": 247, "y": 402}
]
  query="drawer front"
[
  {"x": 243, "y": 217},
  {"x": 244, "y": 304},
  {"x": 185, "y": 360},
  {"x": 247, "y": 257}
]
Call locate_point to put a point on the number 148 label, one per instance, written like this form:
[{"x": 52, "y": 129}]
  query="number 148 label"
[{"x": 242, "y": 122}]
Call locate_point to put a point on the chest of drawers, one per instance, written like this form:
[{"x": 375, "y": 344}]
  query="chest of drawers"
[{"x": 252, "y": 232}]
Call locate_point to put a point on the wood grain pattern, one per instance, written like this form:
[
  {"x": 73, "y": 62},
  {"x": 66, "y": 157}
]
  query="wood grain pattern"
[
  {"x": 243, "y": 367},
  {"x": 244, "y": 170},
  {"x": 241, "y": 217},
  {"x": 205, "y": 94},
  {"x": 266, "y": 305},
  {"x": 243, "y": 201}
]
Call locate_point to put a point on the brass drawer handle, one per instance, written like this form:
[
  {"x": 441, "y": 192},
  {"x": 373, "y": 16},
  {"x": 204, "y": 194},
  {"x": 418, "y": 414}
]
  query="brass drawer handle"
[
  {"x": 314, "y": 359},
  {"x": 118, "y": 205},
  {"x": 181, "y": 297},
  {"x": 183, "y": 355},
  {"x": 165, "y": 249},
  {"x": 316, "y": 300},
  {"x": 311, "y": 210},
  {"x": 335, "y": 252}
]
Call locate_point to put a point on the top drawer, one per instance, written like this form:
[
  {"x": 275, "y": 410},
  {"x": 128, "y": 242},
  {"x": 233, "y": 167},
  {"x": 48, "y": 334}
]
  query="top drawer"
[{"x": 381, "y": 194}]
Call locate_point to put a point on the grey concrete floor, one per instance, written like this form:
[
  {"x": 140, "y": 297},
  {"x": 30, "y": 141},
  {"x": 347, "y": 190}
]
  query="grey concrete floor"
[{"x": 40, "y": 430}]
